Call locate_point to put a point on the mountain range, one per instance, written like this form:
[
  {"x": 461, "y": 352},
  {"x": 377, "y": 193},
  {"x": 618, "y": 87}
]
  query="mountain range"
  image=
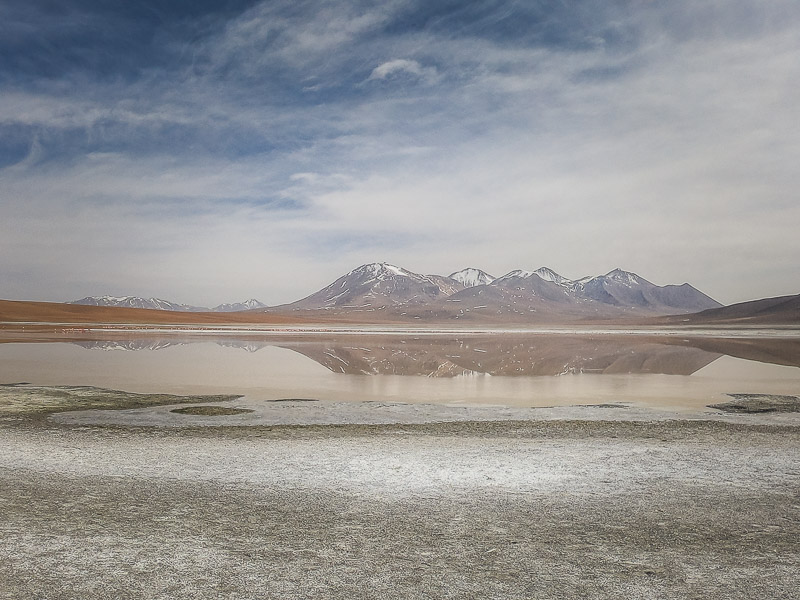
[
  {"x": 473, "y": 294},
  {"x": 391, "y": 292},
  {"x": 385, "y": 293},
  {"x": 160, "y": 304}
]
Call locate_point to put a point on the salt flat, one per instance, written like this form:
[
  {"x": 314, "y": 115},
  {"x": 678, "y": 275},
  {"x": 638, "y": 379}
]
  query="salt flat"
[{"x": 491, "y": 509}]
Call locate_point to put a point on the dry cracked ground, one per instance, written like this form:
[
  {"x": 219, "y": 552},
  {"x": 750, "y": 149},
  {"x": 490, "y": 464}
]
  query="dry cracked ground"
[{"x": 516, "y": 509}]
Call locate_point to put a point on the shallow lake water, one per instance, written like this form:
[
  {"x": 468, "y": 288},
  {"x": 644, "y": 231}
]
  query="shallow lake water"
[{"x": 505, "y": 370}]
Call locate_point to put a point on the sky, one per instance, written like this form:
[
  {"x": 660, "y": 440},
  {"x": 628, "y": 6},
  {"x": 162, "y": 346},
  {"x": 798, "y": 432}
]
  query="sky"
[{"x": 212, "y": 151}]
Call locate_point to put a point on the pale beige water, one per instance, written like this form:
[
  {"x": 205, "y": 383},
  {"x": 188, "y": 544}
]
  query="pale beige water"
[{"x": 274, "y": 372}]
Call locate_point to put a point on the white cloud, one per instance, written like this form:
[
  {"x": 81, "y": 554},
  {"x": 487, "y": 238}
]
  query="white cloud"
[{"x": 401, "y": 65}]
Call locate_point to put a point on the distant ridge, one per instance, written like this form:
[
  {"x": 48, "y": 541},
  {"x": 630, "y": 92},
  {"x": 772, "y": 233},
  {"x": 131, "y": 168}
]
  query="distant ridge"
[
  {"x": 251, "y": 304},
  {"x": 136, "y": 302},
  {"x": 160, "y": 304},
  {"x": 27, "y": 312}
]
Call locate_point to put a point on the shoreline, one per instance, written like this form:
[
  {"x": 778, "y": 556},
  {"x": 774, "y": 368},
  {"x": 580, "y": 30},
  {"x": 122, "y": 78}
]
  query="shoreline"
[
  {"x": 251, "y": 413},
  {"x": 18, "y": 328},
  {"x": 92, "y": 406}
]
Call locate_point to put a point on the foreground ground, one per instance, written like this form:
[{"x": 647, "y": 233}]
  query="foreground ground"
[{"x": 533, "y": 509}]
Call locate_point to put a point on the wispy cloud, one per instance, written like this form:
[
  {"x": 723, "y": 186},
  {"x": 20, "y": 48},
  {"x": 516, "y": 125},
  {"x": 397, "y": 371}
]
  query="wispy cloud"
[{"x": 403, "y": 66}]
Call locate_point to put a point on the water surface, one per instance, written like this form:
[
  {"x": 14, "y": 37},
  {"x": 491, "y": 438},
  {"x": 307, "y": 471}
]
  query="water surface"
[{"x": 508, "y": 370}]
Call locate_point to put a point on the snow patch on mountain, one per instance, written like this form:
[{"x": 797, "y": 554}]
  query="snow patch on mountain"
[
  {"x": 517, "y": 273},
  {"x": 471, "y": 277}
]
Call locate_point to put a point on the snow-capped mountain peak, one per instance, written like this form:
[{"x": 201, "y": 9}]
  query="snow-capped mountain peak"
[
  {"x": 471, "y": 277},
  {"x": 379, "y": 284},
  {"x": 251, "y": 304},
  {"x": 116, "y": 298},
  {"x": 381, "y": 270},
  {"x": 548, "y": 274},
  {"x": 135, "y": 302},
  {"x": 625, "y": 277},
  {"x": 545, "y": 273},
  {"x": 518, "y": 273}
]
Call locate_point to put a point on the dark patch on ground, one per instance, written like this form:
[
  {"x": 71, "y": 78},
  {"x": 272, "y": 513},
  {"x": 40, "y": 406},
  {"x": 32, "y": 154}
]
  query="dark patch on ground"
[
  {"x": 759, "y": 403},
  {"x": 210, "y": 411},
  {"x": 36, "y": 402},
  {"x": 294, "y": 400},
  {"x": 600, "y": 406}
]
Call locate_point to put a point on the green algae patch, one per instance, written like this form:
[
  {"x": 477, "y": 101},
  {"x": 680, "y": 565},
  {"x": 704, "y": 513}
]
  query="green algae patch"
[
  {"x": 210, "y": 411},
  {"x": 23, "y": 400}
]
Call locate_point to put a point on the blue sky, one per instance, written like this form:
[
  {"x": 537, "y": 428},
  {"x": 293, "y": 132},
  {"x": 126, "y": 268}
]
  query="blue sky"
[{"x": 213, "y": 151}]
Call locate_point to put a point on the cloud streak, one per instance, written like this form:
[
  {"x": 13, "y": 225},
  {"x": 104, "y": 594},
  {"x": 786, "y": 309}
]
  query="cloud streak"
[{"x": 403, "y": 66}]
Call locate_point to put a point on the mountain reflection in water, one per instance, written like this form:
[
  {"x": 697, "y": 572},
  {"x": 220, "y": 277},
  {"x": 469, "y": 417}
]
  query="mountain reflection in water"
[{"x": 506, "y": 355}]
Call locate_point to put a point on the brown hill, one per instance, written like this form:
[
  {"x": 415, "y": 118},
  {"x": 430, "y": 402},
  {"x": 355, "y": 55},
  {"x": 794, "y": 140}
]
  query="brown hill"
[{"x": 783, "y": 310}]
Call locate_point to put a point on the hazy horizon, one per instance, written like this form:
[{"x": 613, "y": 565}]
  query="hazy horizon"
[{"x": 214, "y": 152}]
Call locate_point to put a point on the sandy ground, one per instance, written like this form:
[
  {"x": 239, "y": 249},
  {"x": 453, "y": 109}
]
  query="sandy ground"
[{"x": 560, "y": 508}]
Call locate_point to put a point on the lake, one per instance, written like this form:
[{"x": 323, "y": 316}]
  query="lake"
[{"x": 508, "y": 369}]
